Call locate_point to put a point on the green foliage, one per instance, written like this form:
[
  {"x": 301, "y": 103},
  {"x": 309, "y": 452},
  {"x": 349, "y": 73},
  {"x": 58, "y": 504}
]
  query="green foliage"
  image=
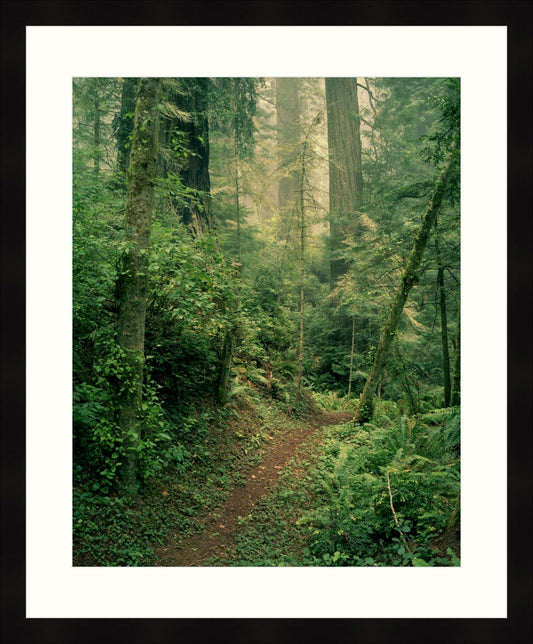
[
  {"x": 98, "y": 443},
  {"x": 448, "y": 104},
  {"x": 354, "y": 517},
  {"x": 331, "y": 401},
  {"x": 106, "y": 532},
  {"x": 233, "y": 105}
]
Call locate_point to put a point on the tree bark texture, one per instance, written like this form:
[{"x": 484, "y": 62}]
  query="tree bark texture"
[
  {"x": 193, "y": 169},
  {"x": 345, "y": 173},
  {"x": 225, "y": 366},
  {"x": 366, "y": 402},
  {"x": 444, "y": 338},
  {"x": 455, "y": 396},
  {"x": 288, "y": 128},
  {"x": 132, "y": 285}
]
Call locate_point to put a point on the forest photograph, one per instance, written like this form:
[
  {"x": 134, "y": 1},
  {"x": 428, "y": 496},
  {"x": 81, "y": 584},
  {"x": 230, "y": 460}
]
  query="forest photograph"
[{"x": 266, "y": 279}]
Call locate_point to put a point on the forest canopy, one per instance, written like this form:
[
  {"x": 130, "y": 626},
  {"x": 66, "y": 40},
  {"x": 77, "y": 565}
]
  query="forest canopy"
[{"x": 255, "y": 252}]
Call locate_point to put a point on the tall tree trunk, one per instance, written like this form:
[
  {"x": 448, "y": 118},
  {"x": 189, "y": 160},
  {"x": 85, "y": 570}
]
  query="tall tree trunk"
[
  {"x": 132, "y": 286},
  {"x": 191, "y": 161},
  {"x": 196, "y": 214},
  {"x": 230, "y": 337},
  {"x": 288, "y": 128},
  {"x": 301, "y": 209},
  {"x": 124, "y": 124},
  {"x": 345, "y": 174},
  {"x": 455, "y": 397},
  {"x": 366, "y": 402},
  {"x": 351, "y": 360},
  {"x": 237, "y": 202},
  {"x": 444, "y": 327}
]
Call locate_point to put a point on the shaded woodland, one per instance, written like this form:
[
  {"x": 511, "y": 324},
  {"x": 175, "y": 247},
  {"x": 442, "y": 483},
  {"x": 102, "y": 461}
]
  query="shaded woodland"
[{"x": 250, "y": 255}]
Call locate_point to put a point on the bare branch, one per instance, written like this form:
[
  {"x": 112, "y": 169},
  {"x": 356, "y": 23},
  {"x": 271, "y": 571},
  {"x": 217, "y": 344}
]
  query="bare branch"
[{"x": 402, "y": 534}]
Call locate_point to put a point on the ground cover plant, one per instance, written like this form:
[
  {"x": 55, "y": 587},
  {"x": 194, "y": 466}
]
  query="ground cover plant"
[{"x": 332, "y": 505}]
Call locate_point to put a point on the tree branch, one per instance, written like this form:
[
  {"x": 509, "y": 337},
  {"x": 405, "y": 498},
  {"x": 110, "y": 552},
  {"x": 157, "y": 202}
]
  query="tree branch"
[{"x": 402, "y": 534}]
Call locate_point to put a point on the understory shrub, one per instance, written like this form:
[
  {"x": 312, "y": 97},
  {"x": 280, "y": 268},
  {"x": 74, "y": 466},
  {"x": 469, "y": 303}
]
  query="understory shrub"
[{"x": 385, "y": 493}]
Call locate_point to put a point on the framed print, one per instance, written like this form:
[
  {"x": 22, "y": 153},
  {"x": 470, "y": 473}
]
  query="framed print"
[{"x": 75, "y": 72}]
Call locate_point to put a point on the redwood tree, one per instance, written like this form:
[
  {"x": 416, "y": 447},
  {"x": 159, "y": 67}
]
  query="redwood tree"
[
  {"x": 288, "y": 139},
  {"x": 345, "y": 174}
]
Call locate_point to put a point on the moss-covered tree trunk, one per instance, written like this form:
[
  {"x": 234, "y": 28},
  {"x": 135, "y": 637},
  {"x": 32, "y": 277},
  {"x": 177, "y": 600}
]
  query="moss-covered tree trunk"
[
  {"x": 366, "y": 402},
  {"x": 132, "y": 284},
  {"x": 225, "y": 366},
  {"x": 345, "y": 174}
]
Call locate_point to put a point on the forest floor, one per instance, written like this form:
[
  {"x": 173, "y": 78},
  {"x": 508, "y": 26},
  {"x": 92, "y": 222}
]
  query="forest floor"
[{"x": 215, "y": 540}]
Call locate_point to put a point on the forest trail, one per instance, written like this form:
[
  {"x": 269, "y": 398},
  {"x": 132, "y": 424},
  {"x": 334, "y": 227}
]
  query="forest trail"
[{"x": 222, "y": 525}]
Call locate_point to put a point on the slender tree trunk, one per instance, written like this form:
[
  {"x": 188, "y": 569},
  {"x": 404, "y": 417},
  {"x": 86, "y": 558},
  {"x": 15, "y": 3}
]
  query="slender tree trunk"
[
  {"x": 132, "y": 286},
  {"x": 237, "y": 205},
  {"x": 444, "y": 339},
  {"x": 444, "y": 328},
  {"x": 229, "y": 339},
  {"x": 345, "y": 174},
  {"x": 455, "y": 397},
  {"x": 366, "y": 402},
  {"x": 302, "y": 279},
  {"x": 351, "y": 360}
]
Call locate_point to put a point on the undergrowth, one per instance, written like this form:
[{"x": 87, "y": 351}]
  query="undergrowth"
[
  {"x": 381, "y": 494},
  {"x": 384, "y": 493},
  {"x": 112, "y": 531},
  {"x": 332, "y": 506}
]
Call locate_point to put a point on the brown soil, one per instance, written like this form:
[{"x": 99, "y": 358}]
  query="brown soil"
[{"x": 222, "y": 524}]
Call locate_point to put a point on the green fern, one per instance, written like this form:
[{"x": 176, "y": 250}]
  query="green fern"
[
  {"x": 235, "y": 391},
  {"x": 439, "y": 415}
]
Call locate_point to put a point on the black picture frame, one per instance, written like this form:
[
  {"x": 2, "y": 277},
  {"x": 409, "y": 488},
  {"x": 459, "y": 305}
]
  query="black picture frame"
[{"x": 517, "y": 16}]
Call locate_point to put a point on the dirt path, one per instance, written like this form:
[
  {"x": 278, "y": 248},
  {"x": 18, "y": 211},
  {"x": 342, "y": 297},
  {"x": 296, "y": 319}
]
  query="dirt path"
[{"x": 221, "y": 526}]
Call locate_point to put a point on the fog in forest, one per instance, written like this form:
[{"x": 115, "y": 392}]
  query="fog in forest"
[{"x": 254, "y": 260}]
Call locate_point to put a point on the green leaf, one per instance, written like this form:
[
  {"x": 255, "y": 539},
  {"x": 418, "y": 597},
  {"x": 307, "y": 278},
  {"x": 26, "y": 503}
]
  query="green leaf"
[{"x": 420, "y": 563}]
